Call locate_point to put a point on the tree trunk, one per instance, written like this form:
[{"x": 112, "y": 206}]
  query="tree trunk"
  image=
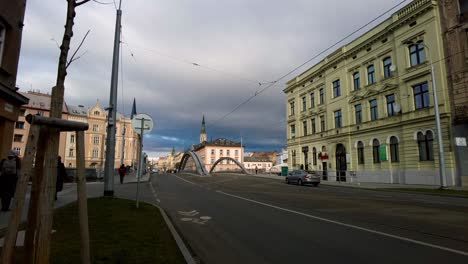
[{"x": 46, "y": 201}]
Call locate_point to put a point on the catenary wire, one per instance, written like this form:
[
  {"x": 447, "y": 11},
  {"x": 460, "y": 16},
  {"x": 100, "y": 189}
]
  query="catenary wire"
[{"x": 303, "y": 64}]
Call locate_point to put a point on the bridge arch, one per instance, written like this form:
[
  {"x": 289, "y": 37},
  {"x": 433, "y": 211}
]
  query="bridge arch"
[
  {"x": 231, "y": 159},
  {"x": 200, "y": 166}
]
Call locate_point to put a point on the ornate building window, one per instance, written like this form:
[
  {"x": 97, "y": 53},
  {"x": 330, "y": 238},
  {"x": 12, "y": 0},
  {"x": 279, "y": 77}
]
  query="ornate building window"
[
  {"x": 95, "y": 153},
  {"x": 394, "y": 152},
  {"x": 291, "y": 111},
  {"x": 370, "y": 75},
  {"x": 312, "y": 100},
  {"x": 421, "y": 95},
  {"x": 426, "y": 146},
  {"x": 336, "y": 88},
  {"x": 375, "y": 150},
  {"x": 391, "y": 105},
  {"x": 358, "y": 113},
  {"x": 417, "y": 54},
  {"x": 360, "y": 152},
  {"x": 373, "y": 110},
  {"x": 314, "y": 156},
  {"x": 356, "y": 81},
  {"x": 338, "y": 120},
  {"x": 387, "y": 64},
  {"x": 304, "y": 127}
]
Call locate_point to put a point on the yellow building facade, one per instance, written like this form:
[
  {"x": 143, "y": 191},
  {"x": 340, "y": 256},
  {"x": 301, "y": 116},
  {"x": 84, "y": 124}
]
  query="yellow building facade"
[{"x": 366, "y": 111}]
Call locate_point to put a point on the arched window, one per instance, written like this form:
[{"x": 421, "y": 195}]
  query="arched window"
[
  {"x": 360, "y": 152},
  {"x": 314, "y": 156},
  {"x": 425, "y": 146},
  {"x": 394, "y": 155},
  {"x": 375, "y": 150}
]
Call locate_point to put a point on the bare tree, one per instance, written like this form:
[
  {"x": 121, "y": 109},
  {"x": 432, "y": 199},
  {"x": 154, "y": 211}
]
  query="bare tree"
[{"x": 42, "y": 236}]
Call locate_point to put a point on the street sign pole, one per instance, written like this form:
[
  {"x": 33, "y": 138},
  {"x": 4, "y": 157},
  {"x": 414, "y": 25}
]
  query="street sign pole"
[
  {"x": 140, "y": 163},
  {"x": 142, "y": 124}
]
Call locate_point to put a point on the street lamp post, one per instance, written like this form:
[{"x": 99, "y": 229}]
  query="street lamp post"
[{"x": 443, "y": 180}]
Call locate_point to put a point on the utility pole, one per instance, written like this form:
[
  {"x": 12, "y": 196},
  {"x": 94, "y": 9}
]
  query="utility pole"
[{"x": 111, "y": 117}]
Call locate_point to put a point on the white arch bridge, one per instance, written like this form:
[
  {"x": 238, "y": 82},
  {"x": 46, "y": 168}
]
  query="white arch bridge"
[{"x": 192, "y": 162}]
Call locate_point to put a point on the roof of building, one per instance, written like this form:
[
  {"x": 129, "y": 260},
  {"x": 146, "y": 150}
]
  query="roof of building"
[
  {"x": 223, "y": 142},
  {"x": 256, "y": 159},
  {"x": 38, "y": 100},
  {"x": 77, "y": 110}
]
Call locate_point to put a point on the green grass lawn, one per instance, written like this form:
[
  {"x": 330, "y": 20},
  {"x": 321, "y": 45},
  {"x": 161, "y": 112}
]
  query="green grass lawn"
[
  {"x": 455, "y": 193},
  {"x": 119, "y": 233}
]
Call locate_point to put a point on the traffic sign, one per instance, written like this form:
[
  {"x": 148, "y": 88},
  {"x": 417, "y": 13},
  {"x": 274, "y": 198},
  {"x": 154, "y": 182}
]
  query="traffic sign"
[{"x": 145, "y": 120}]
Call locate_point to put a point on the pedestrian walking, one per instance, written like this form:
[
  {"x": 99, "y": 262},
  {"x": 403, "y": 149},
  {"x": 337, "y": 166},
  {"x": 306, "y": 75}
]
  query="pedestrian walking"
[
  {"x": 122, "y": 172},
  {"x": 61, "y": 175},
  {"x": 9, "y": 171},
  {"x": 256, "y": 170}
]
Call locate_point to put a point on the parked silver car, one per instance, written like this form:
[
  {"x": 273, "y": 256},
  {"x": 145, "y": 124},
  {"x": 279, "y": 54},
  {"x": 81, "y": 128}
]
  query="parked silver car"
[{"x": 302, "y": 177}]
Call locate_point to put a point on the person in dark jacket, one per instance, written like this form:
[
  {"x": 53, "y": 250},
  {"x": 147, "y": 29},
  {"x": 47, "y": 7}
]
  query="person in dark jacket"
[
  {"x": 122, "y": 172},
  {"x": 61, "y": 175},
  {"x": 9, "y": 172}
]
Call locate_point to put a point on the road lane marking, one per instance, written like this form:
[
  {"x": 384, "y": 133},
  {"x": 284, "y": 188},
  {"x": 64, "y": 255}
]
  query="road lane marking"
[
  {"x": 348, "y": 225},
  {"x": 187, "y": 181},
  {"x": 191, "y": 213}
]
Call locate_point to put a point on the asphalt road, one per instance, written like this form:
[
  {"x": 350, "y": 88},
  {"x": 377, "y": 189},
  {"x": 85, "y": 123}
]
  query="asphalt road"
[{"x": 245, "y": 219}]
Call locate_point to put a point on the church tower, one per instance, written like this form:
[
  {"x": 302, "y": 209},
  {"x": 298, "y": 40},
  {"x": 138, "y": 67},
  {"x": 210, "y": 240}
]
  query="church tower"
[{"x": 203, "y": 131}]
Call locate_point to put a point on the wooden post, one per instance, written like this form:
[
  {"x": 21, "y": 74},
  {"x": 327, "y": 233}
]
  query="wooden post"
[
  {"x": 46, "y": 198},
  {"x": 82, "y": 197},
  {"x": 20, "y": 194},
  {"x": 37, "y": 181}
]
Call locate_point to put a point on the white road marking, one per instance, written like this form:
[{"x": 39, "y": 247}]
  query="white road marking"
[
  {"x": 348, "y": 225},
  {"x": 192, "y": 213},
  {"x": 159, "y": 201},
  {"x": 186, "y": 180},
  {"x": 205, "y": 217},
  {"x": 186, "y": 219}
]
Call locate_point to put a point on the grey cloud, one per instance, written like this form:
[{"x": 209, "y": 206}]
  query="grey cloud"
[{"x": 258, "y": 40}]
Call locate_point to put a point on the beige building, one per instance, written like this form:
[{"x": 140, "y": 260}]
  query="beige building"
[
  {"x": 39, "y": 104},
  {"x": 368, "y": 107},
  {"x": 261, "y": 164},
  {"x": 212, "y": 151},
  {"x": 95, "y": 136}
]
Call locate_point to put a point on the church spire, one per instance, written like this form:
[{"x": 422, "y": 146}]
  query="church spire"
[
  {"x": 134, "y": 112},
  {"x": 203, "y": 131}
]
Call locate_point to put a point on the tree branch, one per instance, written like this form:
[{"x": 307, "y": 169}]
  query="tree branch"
[
  {"x": 76, "y": 51},
  {"x": 82, "y": 2}
]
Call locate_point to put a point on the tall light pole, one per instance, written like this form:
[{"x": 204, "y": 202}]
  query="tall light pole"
[
  {"x": 443, "y": 180},
  {"x": 112, "y": 114}
]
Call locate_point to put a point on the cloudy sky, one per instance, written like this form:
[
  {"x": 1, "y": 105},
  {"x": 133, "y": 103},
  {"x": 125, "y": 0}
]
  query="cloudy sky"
[{"x": 236, "y": 43}]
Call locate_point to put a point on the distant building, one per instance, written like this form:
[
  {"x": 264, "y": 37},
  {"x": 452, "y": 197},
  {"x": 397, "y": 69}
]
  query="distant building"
[
  {"x": 95, "y": 136},
  {"x": 11, "y": 28},
  {"x": 282, "y": 157},
  {"x": 38, "y": 104},
  {"x": 260, "y": 163},
  {"x": 368, "y": 107},
  {"x": 211, "y": 151},
  {"x": 269, "y": 155}
]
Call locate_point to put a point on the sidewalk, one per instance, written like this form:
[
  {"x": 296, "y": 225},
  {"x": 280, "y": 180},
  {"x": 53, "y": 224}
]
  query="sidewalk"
[
  {"x": 132, "y": 178},
  {"x": 368, "y": 185}
]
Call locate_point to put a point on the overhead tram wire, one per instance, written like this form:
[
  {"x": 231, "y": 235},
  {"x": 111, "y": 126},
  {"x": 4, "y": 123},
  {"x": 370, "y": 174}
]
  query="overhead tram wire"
[
  {"x": 199, "y": 65},
  {"x": 306, "y": 62}
]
